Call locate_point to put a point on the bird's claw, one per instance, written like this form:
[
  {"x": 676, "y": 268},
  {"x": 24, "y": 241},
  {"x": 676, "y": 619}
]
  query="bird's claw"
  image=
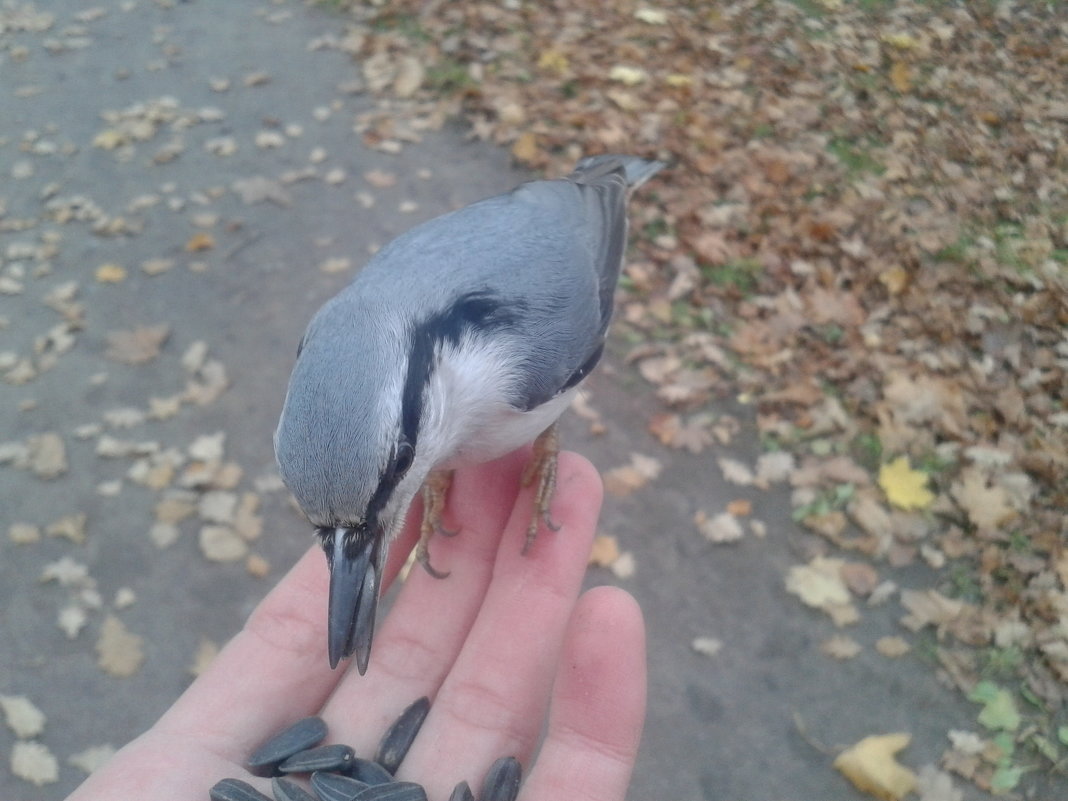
[
  {"x": 435, "y": 491},
  {"x": 542, "y": 467}
]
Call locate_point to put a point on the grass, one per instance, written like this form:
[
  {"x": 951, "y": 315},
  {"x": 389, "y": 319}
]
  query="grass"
[
  {"x": 741, "y": 275},
  {"x": 855, "y": 157}
]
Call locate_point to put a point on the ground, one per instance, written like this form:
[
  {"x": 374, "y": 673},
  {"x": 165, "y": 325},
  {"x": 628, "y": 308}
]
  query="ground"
[{"x": 831, "y": 420}]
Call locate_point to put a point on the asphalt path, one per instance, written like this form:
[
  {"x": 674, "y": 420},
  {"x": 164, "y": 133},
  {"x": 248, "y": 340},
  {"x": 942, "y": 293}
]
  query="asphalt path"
[{"x": 226, "y": 193}]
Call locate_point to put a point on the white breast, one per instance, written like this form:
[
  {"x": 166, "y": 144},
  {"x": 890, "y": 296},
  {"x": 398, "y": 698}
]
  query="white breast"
[{"x": 467, "y": 418}]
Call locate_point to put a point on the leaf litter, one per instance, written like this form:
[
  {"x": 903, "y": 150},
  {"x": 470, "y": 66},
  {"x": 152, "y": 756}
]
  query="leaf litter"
[{"x": 878, "y": 279}]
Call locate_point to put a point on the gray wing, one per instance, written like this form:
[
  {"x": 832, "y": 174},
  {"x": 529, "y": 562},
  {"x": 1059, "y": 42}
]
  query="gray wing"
[{"x": 539, "y": 265}]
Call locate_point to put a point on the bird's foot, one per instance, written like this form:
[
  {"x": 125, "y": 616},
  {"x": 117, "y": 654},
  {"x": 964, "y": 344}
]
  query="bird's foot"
[
  {"x": 435, "y": 491},
  {"x": 542, "y": 469}
]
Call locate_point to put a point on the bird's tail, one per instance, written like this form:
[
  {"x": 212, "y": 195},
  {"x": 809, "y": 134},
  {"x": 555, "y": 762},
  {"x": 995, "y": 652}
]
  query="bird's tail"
[{"x": 636, "y": 170}]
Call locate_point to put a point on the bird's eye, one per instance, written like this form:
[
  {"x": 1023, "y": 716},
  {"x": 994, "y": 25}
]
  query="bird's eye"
[{"x": 402, "y": 462}]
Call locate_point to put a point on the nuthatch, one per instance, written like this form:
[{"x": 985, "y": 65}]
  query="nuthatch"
[{"x": 460, "y": 341}]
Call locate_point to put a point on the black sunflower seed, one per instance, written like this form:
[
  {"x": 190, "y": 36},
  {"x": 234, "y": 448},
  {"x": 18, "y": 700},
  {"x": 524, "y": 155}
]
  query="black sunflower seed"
[
  {"x": 334, "y": 787},
  {"x": 397, "y": 791},
  {"x": 502, "y": 781},
  {"x": 235, "y": 790},
  {"x": 285, "y": 790},
  {"x": 400, "y": 736},
  {"x": 302, "y": 735},
  {"x": 462, "y": 792},
  {"x": 323, "y": 757},
  {"x": 369, "y": 772}
]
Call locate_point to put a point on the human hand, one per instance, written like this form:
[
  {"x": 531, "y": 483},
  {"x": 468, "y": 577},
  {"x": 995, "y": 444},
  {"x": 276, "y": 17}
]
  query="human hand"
[{"x": 502, "y": 642}]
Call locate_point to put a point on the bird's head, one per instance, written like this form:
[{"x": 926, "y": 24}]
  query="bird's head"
[{"x": 347, "y": 448}]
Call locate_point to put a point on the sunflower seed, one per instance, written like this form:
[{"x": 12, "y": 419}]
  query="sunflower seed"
[
  {"x": 302, "y": 735},
  {"x": 333, "y": 787},
  {"x": 336, "y": 758},
  {"x": 462, "y": 792},
  {"x": 397, "y": 791},
  {"x": 400, "y": 736},
  {"x": 285, "y": 790},
  {"x": 235, "y": 790},
  {"x": 369, "y": 772},
  {"x": 502, "y": 781}
]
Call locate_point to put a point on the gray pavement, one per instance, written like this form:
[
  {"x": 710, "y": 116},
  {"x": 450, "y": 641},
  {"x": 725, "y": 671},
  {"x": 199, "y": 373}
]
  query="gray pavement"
[{"x": 719, "y": 727}]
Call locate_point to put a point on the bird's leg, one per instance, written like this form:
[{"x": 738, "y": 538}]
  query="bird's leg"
[
  {"x": 542, "y": 467},
  {"x": 435, "y": 491}
]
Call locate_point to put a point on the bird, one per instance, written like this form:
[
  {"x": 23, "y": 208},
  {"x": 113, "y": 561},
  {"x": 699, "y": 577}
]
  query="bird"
[{"x": 461, "y": 340}]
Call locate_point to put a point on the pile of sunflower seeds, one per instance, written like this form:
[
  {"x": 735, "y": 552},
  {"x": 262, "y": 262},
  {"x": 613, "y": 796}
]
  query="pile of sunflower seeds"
[{"x": 337, "y": 774}]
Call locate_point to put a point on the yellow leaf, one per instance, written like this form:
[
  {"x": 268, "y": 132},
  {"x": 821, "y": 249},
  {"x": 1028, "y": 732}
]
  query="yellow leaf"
[
  {"x": 678, "y": 79},
  {"x": 901, "y": 76},
  {"x": 525, "y": 148},
  {"x": 652, "y": 16},
  {"x": 553, "y": 61},
  {"x": 902, "y": 41},
  {"x": 905, "y": 488},
  {"x": 630, "y": 76},
  {"x": 895, "y": 279},
  {"x": 871, "y": 766},
  {"x": 200, "y": 242},
  {"x": 110, "y": 274}
]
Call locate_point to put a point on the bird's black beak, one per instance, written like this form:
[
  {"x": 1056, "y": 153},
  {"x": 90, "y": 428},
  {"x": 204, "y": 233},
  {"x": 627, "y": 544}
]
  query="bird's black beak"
[{"x": 355, "y": 556}]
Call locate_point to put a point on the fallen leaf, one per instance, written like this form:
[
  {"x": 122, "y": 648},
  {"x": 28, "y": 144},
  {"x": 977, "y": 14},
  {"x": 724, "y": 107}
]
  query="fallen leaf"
[
  {"x": 999, "y": 709},
  {"x": 222, "y": 544},
  {"x": 871, "y": 767},
  {"x": 525, "y": 149},
  {"x": 840, "y": 647},
  {"x": 22, "y": 716},
  {"x": 119, "y": 652},
  {"x": 137, "y": 346},
  {"x": 986, "y": 504},
  {"x": 200, "y": 242},
  {"x": 819, "y": 583},
  {"x": 626, "y": 479},
  {"x": 901, "y": 76},
  {"x": 604, "y": 552},
  {"x": 72, "y": 527},
  {"x": 706, "y": 646},
  {"x": 905, "y": 488},
  {"x": 23, "y": 533},
  {"x": 892, "y": 647},
  {"x": 33, "y": 762},
  {"x": 92, "y": 758},
  {"x": 110, "y": 274},
  {"x": 46, "y": 455},
  {"x": 722, "y": 528},
  {"x": 204, "y": 656}
]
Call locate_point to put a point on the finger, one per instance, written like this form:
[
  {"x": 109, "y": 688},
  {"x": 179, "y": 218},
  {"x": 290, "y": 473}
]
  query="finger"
[
  {"x": 272, "y": 673},
  {"x": 493, "y": 701},
  {"x": 598, "y": 703},
  {"x": 430, "y": 619}
]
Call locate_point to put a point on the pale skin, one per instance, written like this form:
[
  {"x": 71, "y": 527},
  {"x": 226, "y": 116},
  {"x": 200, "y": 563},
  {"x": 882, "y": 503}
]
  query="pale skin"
[{"x": 503, "y": 644}]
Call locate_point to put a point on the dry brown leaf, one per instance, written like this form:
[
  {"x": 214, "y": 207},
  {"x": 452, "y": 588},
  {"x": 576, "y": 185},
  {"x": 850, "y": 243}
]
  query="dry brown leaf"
[
  {"x": 626, "y": 479},
  {"x": 604, "y": 552},
  {"x": 840, "y": 647},
  {"x": 525, "y": 149},
  {"x": 137, "y": 346},
  {"x": 222, "y": 544},
  {"x": 721, "y": 528},
  {"x": 892, "y": 647},
  {"x": 204, "y": 656},
  {"x": 199, "y": 242},
  {"x": 119, "y": 652}
]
